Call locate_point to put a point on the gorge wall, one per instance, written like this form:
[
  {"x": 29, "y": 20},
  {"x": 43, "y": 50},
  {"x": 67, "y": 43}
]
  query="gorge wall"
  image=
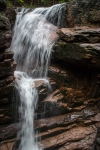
[
  {"x": 69, "y": 118},
  {"x": 7, "y": 67}
]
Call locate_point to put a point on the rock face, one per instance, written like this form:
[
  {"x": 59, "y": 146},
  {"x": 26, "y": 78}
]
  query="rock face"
[
  {"x": 83, "y": 12},
  {"x": 69, "y": 117},
  {"x": 79, "y": 46},
  {"x": 11, "y": 15},
  {"x": 7, "y": 67}
]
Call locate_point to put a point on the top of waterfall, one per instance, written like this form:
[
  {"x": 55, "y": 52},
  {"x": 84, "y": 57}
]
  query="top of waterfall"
[
  {"x": 35, "y": 33},
  {"x": 55, "y": 14}
]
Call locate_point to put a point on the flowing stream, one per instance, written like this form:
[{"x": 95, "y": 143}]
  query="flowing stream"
[{"x": 32, "y": 44}]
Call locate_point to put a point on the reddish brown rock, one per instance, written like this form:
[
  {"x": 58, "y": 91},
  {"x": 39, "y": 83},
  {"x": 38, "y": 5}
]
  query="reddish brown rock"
[
  {"x": 79, "y": 46},
  {"x": 7, "y": 68},
  {"x": 71, "y": 112},
  {"x": 8, "y": 145},
  {"x": 76, "y": 134}
]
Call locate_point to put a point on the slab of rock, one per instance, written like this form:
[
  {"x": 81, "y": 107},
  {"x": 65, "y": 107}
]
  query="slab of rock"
[
  {"x": 76, "y": 134},
  {"x": 79, "y": 46},
  {"x": 80, "y": 34},
  {"x": 8, "y": 145}
]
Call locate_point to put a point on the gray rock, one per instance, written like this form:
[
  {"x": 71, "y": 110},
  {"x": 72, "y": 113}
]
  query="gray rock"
[{"x": 81, "y": 12}]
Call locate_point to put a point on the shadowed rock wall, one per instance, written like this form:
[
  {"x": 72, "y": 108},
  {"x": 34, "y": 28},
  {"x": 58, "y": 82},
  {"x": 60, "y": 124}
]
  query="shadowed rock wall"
[{"x": 7, "y": 67}]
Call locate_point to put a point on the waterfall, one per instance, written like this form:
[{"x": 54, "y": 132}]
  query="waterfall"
[
  {"x": 29, "y": 97},
  {"x": 32, "y": 43}
]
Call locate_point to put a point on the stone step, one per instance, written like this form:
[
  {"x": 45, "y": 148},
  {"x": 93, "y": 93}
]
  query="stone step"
[
  {"x": 53, "y": 132},
  {"x": 54, "y": 105},
  {"x": 41, "y": 125},
  {"x": 74, "y": 136},
  {"x": 85, "y": 117},
  {"x": 66, "y": 119}
]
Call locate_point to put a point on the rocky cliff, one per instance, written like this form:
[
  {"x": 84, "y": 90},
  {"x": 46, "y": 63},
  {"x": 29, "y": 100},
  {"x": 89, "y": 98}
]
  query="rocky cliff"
[
  {"x": 7, "y": 67},
  {"x": 69, "y": 118},
  {"x": 83, "y": 12}
]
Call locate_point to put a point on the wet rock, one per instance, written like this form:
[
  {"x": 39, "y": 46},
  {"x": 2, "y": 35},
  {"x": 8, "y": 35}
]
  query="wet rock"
[
  {"x": 80, "y": 34},
  {"x": 11, "y": 15},
  {"x": 7, "y": 67},
  {"x": 4, "y": 101},
  {"x": 55, "y": 133},
  {"x": 8, "y": 145},
  {"x": 76, "y": 134},
  {"x": 79, "y": 46},
  {"x": 5, "y": 119},
  {"x": 81, "y": 12},
  {"x": 5, "y": 40},
  {"x": 4, "y": 23},
  {"x": 6, "y": 81},
  {"x": 5, "y": 90},
  {"x": 68, "y": 116},
  {"x": 97, "y": 142}
]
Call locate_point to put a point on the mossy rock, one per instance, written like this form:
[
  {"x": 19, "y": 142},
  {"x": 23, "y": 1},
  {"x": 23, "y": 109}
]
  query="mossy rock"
[
  {"x": 4, "y": 23},
  {"x": 68, "y": 51}
]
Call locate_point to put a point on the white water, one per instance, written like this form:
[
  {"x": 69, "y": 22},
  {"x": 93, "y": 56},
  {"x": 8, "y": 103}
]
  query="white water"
[
  {"x": 32, "y": 45},
  {"x": 29, "y": 97}
]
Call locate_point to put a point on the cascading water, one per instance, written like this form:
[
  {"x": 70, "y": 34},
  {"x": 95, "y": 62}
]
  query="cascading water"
[
  {"x": 29, "y": 97},
  {"x": 32, "y": 45}
]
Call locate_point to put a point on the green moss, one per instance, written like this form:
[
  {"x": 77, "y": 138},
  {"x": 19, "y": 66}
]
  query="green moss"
[
  {"x": 69, "y": 51},
  {"x": 62, "y": 1},
  {"x": 9, "y": 4},
  {"x": 29, "y": 6},
  {"x": 4, "y": 23},
  {"x": 65, "y": 49}
]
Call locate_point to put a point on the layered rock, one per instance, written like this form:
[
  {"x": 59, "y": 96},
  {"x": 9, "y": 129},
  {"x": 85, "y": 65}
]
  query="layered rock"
[
  {"x": 7, "y": 67},
  {"x": 79, "y": 46},
  {"x": 77, "y": 51},
  {"x": 68, "y": 118},
  {"x": 72, "y": 110}
]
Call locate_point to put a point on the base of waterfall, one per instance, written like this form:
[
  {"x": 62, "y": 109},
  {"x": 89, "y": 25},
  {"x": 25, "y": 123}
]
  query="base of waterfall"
[
  {"x": 32, "y": 50},
  {"x": 26, "y": 87}
]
